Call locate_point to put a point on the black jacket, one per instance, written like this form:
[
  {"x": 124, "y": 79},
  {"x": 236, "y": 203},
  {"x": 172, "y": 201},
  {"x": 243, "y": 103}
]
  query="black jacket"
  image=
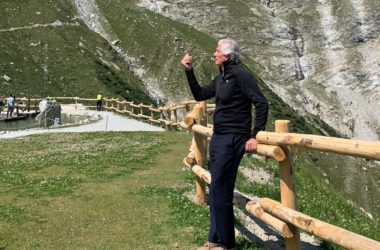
[{"x": 234, "y": 90}]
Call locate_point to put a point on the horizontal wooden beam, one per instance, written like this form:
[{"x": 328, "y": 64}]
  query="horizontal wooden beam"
[
  {"x": 155, "y": 110},
  {"x": 328, "y": 232},
  {"x": 155, "y": 121},
  {"x": 177, "y": 107},
  {"x": 274, "y": 152},
  {"x": 199, "y": 171},
  {"x": 245, "y": 203},
  {"x": 145, "y": 105},
  {"x": 364, "y": 149},
  {"x": 202, "y": 130},
  {"x": 255, "y": 209}
]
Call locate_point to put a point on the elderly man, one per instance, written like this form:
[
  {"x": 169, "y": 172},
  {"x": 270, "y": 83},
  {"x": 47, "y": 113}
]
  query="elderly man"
[{"x": 234, "y": 90}]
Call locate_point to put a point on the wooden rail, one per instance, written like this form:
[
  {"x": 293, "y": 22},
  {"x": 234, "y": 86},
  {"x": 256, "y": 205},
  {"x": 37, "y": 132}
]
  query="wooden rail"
[
  {"x": 363, "y": 149},
  {"x": 283, "y": 217},
  {"x": 166, "y": 116}
]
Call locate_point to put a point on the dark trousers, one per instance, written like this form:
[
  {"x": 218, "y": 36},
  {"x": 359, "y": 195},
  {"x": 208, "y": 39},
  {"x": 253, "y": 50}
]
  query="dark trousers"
[
  {"x": 226, "y": 151},
  {"x": 98, "y": 105},
  {"x": 10, "y": 111}
]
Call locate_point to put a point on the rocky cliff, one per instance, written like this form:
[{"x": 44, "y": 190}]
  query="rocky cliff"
[{"x": 321, "y": 57}]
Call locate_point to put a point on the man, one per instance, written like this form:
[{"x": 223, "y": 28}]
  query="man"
[
  {"x": 99, "y": 101},
  {"x": 10, "y": 104},
  {"x": 234, "y": 91}
]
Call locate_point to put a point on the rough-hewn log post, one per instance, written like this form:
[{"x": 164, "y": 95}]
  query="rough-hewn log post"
[
  {"x": 151, "y": 115},
  {"x": 118, "y": 104},
  {"x": 200, "y": 154},
  {"x": 175, "y": 119},
  {"x": 141, "y": 112},
  {"x": 111, "y": 105},
  {"x": 287, "y": 185},
  {"x": 106, "y": 106}
]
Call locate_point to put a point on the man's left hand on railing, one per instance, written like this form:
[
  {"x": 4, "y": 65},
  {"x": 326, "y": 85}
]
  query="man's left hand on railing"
[{"x": 251, "y": 146}]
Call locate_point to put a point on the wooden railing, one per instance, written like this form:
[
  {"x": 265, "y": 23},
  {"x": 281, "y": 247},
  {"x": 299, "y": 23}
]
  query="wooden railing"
[
  {"x": 166, "y": 116},
  {"x": 283, "y": 216},
  {"x": 27, "y": 104}
]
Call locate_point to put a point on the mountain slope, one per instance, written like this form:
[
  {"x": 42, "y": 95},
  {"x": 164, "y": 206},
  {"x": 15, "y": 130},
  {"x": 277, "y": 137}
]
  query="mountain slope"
[
  {"x": 321, "y": 57},
  {"x": 46, "y": 50}
]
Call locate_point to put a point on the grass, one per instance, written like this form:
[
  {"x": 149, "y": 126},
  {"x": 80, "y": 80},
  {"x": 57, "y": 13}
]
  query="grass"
[
  {"x": 122, "y": 190},
  {"x": 59, "y": 61},
  {"x": 83, "y": 191}
]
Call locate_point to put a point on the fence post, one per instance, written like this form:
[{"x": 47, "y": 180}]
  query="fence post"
[
  {"x": 141, "y": 112},
  {"x": 118, "y": 105},
  {"x": 106, "y": 104},
  {"x": 287, "y": 185},
  {"x": 175, "y": 119},
  {"x": 200, "y": 154},
  {"x": 151, "y": 114}
]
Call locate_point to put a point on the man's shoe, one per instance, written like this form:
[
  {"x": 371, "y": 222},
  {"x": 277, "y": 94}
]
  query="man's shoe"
[
  {"x": 208, "y": 246},
  {"x": 213, "y": 246}
]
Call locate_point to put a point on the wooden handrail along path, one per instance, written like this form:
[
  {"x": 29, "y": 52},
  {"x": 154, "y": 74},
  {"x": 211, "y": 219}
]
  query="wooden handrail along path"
[
  {"x": 165, "y": 116},
  {"x": 283, "y": 216}
]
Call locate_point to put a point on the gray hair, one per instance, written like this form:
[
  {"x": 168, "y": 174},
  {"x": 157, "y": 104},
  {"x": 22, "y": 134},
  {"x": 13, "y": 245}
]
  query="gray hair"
[{"x": 230, "y": 47}]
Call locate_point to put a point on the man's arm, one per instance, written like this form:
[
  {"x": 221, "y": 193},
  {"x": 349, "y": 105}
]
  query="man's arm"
[
  {"x": 251, "y": 89},
  {"x": 199, "y": 93}
]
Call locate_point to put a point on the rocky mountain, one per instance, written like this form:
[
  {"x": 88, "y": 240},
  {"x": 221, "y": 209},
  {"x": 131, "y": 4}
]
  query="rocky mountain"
[{"x": 321, "y": 57}]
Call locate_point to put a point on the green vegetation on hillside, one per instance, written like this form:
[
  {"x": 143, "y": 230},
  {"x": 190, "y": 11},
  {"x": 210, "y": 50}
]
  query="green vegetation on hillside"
[
  {"x": 158, "y": 43},
  {"x": 314, "y": 198},
  {"x": 63, "y": 60},
  {"x": 121, "y": 190}
]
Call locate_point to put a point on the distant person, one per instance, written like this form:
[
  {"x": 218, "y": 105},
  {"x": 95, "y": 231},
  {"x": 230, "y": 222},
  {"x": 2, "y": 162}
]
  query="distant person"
[
  {"x": 11, "y": 105},
  {"x": 99, "y": 101},
  {"x": 1, "y": 104}
]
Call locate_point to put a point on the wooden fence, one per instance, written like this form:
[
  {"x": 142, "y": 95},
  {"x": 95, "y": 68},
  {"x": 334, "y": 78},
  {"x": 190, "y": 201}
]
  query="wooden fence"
[
  {"x": 28, "y": 104},
  {"x": 283, "y": 216},
  {"x": 165, "y": 116}
]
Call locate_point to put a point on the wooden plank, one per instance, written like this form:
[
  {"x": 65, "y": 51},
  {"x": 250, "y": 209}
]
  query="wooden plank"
[
  {"x": 358, "y": 148},
  {"x": 256, "y": 210},
  {"x": 177, "y": 107},
  {"x": 323, "y": 230}
]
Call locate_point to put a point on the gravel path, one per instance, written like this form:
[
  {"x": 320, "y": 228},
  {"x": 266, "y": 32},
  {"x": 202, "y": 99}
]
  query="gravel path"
[{"x": 109, "y": 122}]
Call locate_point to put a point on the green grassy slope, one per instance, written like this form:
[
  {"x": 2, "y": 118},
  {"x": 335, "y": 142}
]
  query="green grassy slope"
[
  {"x": 67, "y": 60},
  {"x": 159, "y": 43},
  {"x": 120, "y": 190}
]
